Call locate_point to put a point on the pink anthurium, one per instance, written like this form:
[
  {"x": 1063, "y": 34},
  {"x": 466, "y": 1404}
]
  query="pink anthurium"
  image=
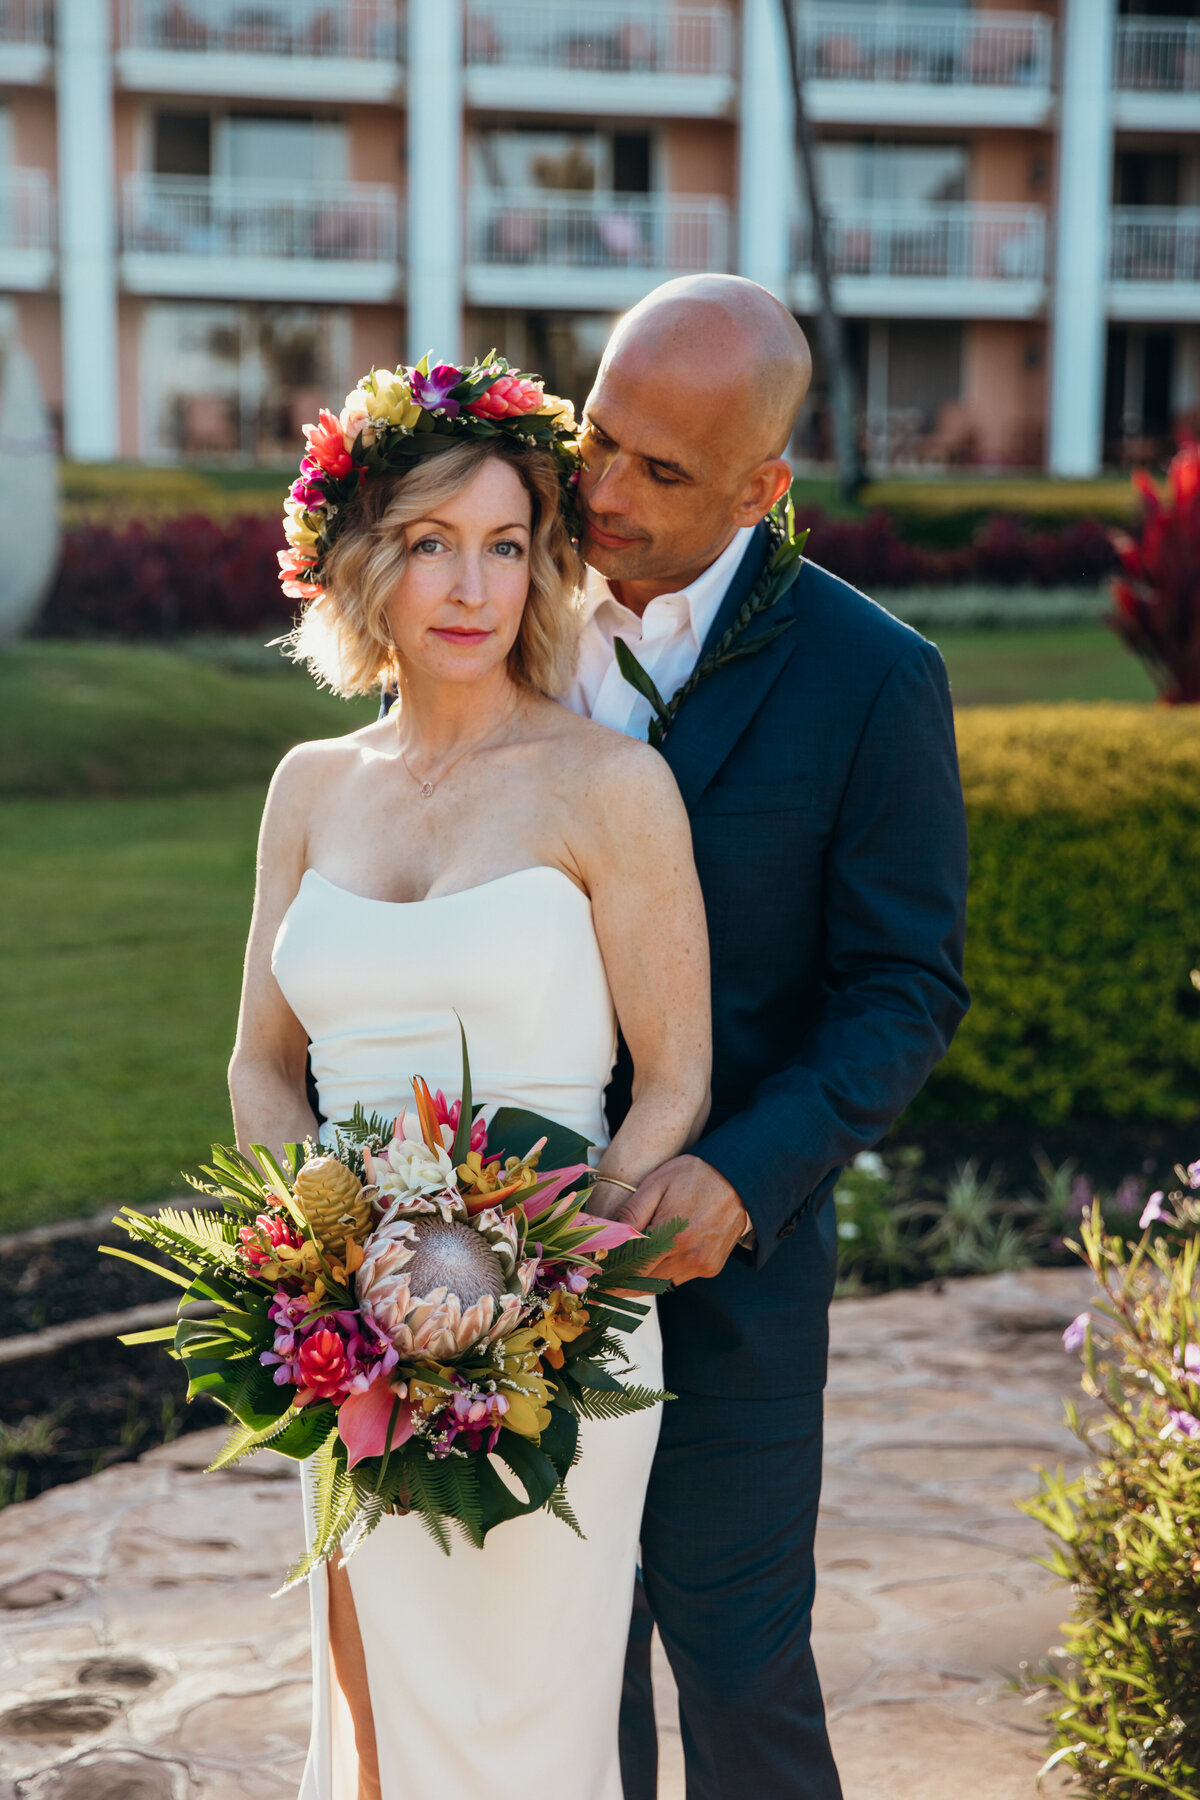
[{"x": 363, "y": 1421}]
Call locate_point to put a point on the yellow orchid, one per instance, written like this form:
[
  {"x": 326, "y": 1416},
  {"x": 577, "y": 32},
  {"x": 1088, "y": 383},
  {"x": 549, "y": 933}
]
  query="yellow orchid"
[{"x": 565, "y": 1319}]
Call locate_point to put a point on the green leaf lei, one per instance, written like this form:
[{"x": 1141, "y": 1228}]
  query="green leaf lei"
[{"x": 787, "y": 549}]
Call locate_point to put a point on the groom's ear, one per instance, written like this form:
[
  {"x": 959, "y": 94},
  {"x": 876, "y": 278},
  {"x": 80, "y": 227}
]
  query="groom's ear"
[{"x": 765, "y": 485}]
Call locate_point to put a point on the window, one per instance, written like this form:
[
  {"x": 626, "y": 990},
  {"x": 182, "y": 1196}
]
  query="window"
[
  {"x": 877, "y": 170},
  {"x": 248, "y": 146},
  {"x": 563, "y": 161},
  {"x": 227, "y": 381}
]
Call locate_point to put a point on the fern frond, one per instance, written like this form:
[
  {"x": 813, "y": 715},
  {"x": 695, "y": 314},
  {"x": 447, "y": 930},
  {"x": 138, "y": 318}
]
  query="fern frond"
[
  {"x": 561, "y": 1507},
  {"x": 426, "y": 1480},
  {"x": 243, "y": 1441},
  {"x": 606, "y": 1403}
]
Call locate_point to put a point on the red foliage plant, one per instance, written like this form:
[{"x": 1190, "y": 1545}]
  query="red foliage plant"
[
  {"x": 1156, "y": 598},
  {"x": 203, "y": 575}
]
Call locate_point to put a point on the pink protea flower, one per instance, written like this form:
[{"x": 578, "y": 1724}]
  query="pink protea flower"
[
  {"x": 326, "y": 445},
  {"x": 508, "y": 398},
  {"x": 438, "y": 1285},
  {"x": 257, "y": 1242}
]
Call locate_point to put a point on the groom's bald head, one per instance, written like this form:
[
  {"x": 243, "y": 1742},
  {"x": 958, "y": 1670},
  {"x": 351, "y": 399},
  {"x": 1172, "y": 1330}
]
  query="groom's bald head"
[
  {"x": 686, "y": 427},
  {"x": 723, "y": 335}
]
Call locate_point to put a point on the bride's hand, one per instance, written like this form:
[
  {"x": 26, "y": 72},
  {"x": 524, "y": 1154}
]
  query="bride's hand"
[{"x": 605, "y": 1199}]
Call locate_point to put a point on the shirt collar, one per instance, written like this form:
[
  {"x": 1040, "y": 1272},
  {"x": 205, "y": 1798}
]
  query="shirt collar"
[{"x": 701, "y": 597}]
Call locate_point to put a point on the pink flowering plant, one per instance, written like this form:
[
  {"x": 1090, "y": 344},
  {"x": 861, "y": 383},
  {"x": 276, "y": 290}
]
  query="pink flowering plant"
[
  {"x": 1125, "y": 1688},
  {"x": 392, "y": 419},
  {"x": 405, "y": 1305}
]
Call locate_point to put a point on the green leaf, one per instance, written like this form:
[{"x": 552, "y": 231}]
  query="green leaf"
[
  {"x": 637, "y": 677},
  {"x": 141, "y": 1262},
  {"x": 462, "y": 1137},
  {"x": 161, "y": 1334},
  {"x": 513, "y": 1131}
]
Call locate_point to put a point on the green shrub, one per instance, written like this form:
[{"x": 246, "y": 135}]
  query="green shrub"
[
  {"x": 1126, "y": 1697},
  {"x": 1083, "y": 919}
]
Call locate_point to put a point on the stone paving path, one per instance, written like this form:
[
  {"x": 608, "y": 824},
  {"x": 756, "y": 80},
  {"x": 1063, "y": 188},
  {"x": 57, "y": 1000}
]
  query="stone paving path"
[{"x": 142, "y": 1659}]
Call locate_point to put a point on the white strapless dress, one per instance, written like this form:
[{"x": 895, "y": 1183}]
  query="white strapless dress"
[{"x": 495, "y": 1672}]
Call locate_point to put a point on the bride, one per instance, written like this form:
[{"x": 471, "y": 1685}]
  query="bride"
[{"x": 484, "y": 851}]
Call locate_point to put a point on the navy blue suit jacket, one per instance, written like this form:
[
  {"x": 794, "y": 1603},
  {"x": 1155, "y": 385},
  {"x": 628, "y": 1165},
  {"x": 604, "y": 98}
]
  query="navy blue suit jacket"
[{"x": 821, "y": 779}]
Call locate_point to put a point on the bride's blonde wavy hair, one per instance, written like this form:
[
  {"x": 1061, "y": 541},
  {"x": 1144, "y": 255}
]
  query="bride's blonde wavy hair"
[{"x": 343, "y": 634}]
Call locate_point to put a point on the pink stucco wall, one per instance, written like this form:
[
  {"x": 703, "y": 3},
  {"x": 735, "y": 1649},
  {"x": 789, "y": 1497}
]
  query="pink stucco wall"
[{"x": 1004, "y": 390}]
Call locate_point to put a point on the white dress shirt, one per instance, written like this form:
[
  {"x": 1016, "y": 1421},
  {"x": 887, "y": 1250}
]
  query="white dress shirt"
[{"x": 666, "y": 641}]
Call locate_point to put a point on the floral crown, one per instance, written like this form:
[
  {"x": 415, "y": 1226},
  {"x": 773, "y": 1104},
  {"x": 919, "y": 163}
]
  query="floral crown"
[{"x": 393, "y": 419}]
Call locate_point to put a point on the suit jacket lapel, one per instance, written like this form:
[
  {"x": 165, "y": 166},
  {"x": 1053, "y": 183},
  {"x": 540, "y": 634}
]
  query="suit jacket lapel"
[{"x": 710, "y": 721}]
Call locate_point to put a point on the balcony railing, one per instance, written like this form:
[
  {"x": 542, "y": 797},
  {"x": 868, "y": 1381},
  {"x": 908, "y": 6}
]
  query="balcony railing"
[
  {"x": 883, "y": 44},
  {"x": 1157, "y": 56},
  {"x": 892, "y": 241},
  {"x": 25, "y": 22},
  {"x": 597, "y": 231},
  {"x": 1153, "y": 243},
  {"x": 365, "y": 29},
  {"x": 26, "y": 210},
  {"x": 319, "y": 221},
  {"x": 607, "y": 38}
]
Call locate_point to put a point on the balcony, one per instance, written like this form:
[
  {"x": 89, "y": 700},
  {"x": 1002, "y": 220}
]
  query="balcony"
[
  {"x": 1156, "y": 75},
  {"x": 879, "y": 65},
  {"x": 949, "y": 261},
  {"x": 262, "y": 49},
  {"x": 26, "y": 34},
  {"x": 601, "y": 57},
  {"x": 596, "y": 251},
  {"x": 1154, "y": 263},
  {"x": 210, "y": 238},
  {"x": 27, "y": 230}
]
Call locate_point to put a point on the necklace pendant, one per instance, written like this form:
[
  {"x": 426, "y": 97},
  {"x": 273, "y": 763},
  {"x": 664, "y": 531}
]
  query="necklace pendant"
[{"x": 427, "y": 790}]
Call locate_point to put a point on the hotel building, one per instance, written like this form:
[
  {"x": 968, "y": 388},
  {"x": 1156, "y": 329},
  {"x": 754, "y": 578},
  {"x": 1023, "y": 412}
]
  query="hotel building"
[{"x": 215, "y": 213}]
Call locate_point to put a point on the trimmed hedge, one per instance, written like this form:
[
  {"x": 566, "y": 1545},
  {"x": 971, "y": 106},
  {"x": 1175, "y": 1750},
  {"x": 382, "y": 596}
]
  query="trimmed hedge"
[
  {"x": 152, "y": 578},
  {"x": 1084, "y": 917}
]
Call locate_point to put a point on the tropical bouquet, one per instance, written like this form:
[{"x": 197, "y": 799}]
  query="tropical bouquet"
[{"x": 405, "y": 1305}]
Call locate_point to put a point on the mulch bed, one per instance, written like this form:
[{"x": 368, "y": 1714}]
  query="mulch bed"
[{"x": 104, "y": 1402}]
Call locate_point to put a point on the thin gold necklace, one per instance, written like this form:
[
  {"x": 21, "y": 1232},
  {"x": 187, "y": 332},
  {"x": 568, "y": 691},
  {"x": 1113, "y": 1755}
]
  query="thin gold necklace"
[{"x": 427, "y": 789}]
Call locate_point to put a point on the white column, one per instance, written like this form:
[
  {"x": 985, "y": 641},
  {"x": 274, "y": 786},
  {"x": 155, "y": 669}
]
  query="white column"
[
  {"x": 1085, "y": 158},
  {"x": 87, "y": 231},
  {"x": 766, "y": 164},
  {"x": 435, "y": 196}
]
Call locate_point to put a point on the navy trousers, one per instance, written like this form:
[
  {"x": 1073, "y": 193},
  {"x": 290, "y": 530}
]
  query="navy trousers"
[{"x": 728, "y": 1577}]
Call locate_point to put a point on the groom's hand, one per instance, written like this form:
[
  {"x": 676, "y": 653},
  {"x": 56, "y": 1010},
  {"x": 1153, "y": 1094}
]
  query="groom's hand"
[{"x": 687, "y": 1188}]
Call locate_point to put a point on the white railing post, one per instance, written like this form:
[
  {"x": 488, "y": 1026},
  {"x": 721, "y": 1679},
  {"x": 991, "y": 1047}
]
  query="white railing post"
[
  {"x": 87, "y": 247},
  {"x": 435, "y": 196},
  {"x": 766, "y": 160},
  {"x": 1085, "y": 156}
]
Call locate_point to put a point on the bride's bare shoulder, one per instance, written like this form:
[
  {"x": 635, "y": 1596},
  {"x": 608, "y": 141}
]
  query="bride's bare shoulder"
[
  {"x": 316, "y": 764},
  {"x": 611, "y": 775}
]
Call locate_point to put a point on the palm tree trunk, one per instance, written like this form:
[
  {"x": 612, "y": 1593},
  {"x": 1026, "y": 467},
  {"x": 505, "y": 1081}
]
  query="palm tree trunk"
[{"x": 831, "y": 337}]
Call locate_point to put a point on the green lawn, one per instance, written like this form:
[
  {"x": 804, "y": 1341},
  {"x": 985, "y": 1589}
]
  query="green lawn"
[
  {"x": 131, "y": 782},
  {"x": 122, "y": 924},
  {"x": 80, "y": 718},
  {"x": 1077, "y": 662}
]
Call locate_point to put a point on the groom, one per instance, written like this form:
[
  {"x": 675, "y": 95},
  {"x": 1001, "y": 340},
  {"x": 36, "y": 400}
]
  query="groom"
[{"x": 821, "y": 779}]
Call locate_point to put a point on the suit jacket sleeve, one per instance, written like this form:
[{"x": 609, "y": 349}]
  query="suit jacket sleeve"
[{"x": 895, "y": 881}]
